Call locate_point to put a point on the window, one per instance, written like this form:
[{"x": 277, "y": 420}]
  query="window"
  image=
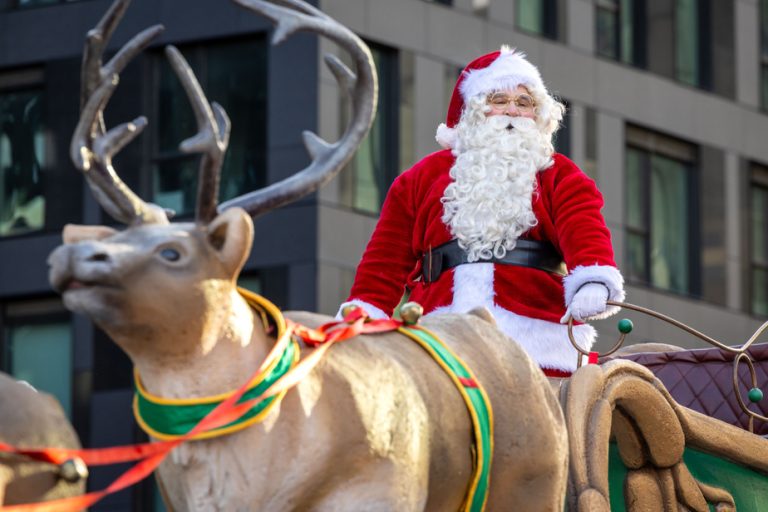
[
  {"x": 22, "y": 161},
  {"x": 233, "y": 74},
  {"x": 660, "y": 212},
  {"x": 562, "y": 138},
  {"x": 764, "y": 53},
  {"x": 537, "y": 16},
  {"x": 620, "y": 30},
  {"x": 758, "y": 206},
  {"x": 376, "y": 162},
  {"x": 688, "y": 41},
  {"x": 37, "y": 348},
  {"x": 39, "y": 3}
]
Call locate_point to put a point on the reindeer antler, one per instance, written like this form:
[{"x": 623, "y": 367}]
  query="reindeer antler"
[
  {"x": 327, "y": 159},
  {"x": 92, "y": 147}
]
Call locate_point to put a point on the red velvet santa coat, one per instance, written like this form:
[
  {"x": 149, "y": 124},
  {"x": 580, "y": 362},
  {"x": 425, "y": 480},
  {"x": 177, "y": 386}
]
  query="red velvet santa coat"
[{"x": 527, "y": 303}]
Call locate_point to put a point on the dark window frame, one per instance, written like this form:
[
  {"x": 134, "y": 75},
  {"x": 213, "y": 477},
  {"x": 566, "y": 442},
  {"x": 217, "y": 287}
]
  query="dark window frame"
[
  {"x": 703, "y": 79},
  {"x": 763, "y": 53},
  {"x": 29, "y": 80},
  {"x": 388, "y": 114},
  {"x": 639, "y": 31},
  {"x": 197, "y": 52},
  {"x": 549, "y": 27},
  {"x": 690, "y": 163},
  {"x": 758, "y": 179}
]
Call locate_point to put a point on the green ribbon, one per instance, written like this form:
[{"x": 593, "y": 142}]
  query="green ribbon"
[
  {"x": 166, "y": 419},
  {"x": 479, "y": 408}
]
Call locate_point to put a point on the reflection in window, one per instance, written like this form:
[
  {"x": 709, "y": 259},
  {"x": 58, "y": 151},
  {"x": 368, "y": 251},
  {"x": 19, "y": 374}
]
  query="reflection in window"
[
  {"x": 764, "y": 53},
  {"x": 620, "y": 30},
  {"x": 22, "y": 150},
  {"x": 659, "y": 213},
  {"x": 376, "y": 163},
  {"x": 688, "y": 43},
  {"x": 537, "y": 16},
  {"x": 759, "y": 241},
  {"x": 41, "y": 354},
  {"x": 232, "y": 74}
]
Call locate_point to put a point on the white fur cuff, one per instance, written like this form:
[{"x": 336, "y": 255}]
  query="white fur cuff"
[
  {"x": 373, "y": 312},
  {"x": 446, "y": 136},
  {"x": 604, "y": 274}
]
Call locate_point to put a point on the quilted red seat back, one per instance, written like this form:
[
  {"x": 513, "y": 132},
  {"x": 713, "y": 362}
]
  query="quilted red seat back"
[{"x": 702, "y": 380}]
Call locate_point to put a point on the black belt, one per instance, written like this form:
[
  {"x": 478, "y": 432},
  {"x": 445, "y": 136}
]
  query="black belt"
[{"x": 527, "y": 253}]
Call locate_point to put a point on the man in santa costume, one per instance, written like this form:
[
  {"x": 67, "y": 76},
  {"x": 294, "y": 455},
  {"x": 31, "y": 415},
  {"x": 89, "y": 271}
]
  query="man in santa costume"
[{"x": 497, "y": 219}]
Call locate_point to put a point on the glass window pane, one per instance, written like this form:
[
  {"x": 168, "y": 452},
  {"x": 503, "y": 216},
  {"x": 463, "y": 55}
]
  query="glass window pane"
[
  {"x": 669, "y": 224},
  {"x": 32, "y": 3},
  {"x": 376, "y": 162},
  {"x": 627, "y": 32},
  {"x": 175, "y": 184},
  {"x": 636, "y": 251},
  {"x": 607, "y": 43},
  {"x": 687, "y": 39},
  {"x": 529, "y": 15},
  {"x": 760, "y": 292},
  {"x": 764, "y": 28},
  {"x": 759, "y": 242},
  {"x": 235, "y": 78},
  {"x": 232, "y": 74},
  {"x": 22, "y": 150},
  {"x": 764, "y": 86},
  {"x": 42, "y": 356},
  {"x": 636, "y": 214}
]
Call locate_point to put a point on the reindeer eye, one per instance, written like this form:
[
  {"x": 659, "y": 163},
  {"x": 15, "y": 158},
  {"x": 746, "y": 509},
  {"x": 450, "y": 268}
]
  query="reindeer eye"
[{"x": 170, "y": 254}]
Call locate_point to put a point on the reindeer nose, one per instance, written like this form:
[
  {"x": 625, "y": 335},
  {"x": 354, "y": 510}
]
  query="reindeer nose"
[{"x": 98, "y": 256}]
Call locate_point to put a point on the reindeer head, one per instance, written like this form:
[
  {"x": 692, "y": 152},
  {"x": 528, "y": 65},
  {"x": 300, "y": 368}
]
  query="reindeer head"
[{"x": 157, "y": 276}]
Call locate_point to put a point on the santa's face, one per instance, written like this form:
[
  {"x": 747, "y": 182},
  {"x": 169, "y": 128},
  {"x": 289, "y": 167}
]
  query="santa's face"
[
  {"x": 518, "y": 102},
  {"x": 488, "y": 205}
]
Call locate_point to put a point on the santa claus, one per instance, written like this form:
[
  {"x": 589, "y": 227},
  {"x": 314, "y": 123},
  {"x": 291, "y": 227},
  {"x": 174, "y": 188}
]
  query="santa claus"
[{"x": 497, "y": 219}]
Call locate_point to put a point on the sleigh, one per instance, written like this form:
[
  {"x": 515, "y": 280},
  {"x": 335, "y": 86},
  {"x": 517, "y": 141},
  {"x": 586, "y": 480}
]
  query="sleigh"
[{"x": 669, "y": 430}]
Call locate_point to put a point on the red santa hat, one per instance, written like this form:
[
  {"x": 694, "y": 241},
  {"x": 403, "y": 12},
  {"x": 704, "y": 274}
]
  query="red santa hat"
[{"x": 504, "y": 69}]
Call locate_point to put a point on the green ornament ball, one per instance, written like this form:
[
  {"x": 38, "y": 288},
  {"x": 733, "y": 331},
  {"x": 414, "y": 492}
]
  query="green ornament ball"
[
  {"x": 625, "y": 326},
  {"x": 755, "y": 395}
]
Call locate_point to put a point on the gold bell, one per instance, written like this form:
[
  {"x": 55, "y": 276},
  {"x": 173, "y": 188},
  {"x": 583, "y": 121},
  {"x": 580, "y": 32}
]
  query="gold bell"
[
  {"x": 73, "y": 470},
  {"x": 411, "y": 313},
  {"x": 348, "y": 309}
]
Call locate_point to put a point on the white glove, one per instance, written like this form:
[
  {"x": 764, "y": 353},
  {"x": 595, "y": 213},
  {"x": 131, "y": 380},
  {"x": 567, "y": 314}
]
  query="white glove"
[{"x": 590, "y": 300}]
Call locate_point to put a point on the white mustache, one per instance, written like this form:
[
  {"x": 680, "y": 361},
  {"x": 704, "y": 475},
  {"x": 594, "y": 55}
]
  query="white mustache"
[{"x": 524, "y": 124}]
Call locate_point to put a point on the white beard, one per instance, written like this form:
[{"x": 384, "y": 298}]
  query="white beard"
[{"x": 489, "y": 203}]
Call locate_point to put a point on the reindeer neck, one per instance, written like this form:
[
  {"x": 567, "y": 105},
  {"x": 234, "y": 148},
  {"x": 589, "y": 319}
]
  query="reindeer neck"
[{"x": 216, "y": 366}]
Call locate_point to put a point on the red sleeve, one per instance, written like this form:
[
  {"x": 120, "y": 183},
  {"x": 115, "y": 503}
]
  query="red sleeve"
[
  {"x": 388, "y": 259},
  {"x": 576, "y": 204},
  {"x": 581, "y": 232}
]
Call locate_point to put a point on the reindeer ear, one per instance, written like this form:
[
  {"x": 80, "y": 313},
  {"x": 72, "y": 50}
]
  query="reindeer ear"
[
  {"x": 231, "y": 234},
  {"x": 73, "y": 233}
]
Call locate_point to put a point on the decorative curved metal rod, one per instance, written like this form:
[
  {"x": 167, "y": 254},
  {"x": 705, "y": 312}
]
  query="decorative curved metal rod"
[{"x": 755, "y": 394}]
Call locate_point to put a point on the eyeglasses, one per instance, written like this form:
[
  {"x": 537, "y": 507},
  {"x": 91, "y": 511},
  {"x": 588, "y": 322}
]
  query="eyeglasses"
[{"x": 500, "y": 101}]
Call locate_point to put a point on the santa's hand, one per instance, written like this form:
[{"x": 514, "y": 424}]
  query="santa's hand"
[{"x": 591, "y": 300}]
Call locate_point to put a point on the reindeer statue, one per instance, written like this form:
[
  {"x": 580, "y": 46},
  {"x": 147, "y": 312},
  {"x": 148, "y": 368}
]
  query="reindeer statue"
[{"x": 377, "y": 424}]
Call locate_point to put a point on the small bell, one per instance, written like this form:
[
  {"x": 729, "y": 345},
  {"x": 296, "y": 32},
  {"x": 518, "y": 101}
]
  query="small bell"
[
  {"x": 411, "y": 313},
  {"x": 73, "y": 470}
]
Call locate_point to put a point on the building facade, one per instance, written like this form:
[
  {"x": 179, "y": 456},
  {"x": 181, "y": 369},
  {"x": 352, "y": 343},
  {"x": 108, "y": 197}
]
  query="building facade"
[{"x": 667, "y": 112}]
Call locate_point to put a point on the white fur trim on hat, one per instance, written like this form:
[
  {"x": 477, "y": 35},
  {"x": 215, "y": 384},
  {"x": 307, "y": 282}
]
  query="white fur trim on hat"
[
  {"x": 545, "y": 342},
  {"x": 604, "y": 274},
  {"x": 509, "y": 70},
  {"x": 373, "y": 312},
  {"x": 446, "y": 136}
]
